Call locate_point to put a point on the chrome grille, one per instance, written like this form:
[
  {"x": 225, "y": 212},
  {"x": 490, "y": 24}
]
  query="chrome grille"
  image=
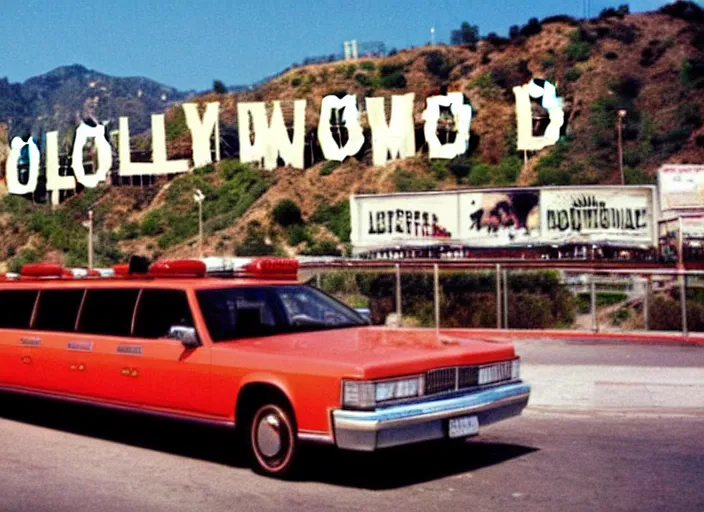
[
  {"x": 469, "y": 376},
  {"x": 443, "y": 380},
  {"x": 440, "y": 381}
]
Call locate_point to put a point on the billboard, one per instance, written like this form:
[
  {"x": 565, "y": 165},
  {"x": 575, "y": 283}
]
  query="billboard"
[
  {"x": 681, "y": 187},
  {"x": 516, "y": 217},
  {"x": 608, "y": 214}
]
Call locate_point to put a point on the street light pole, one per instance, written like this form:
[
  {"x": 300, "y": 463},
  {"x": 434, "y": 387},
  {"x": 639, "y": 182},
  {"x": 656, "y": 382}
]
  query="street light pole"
[
  {"x": 90, "y": 239},
  {"x": 198, "y": 197},
  {"x": 619, "y": 125}
]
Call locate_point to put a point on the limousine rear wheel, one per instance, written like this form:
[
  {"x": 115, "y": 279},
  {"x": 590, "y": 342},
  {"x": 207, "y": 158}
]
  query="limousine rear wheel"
[{"x": 273, "y": 440}]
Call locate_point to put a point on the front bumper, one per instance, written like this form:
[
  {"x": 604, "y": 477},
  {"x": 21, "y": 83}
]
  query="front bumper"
[{"x": 422, "y": 421}]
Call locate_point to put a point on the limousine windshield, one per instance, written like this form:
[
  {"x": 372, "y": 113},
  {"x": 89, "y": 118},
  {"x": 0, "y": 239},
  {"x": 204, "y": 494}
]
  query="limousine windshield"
[{"x": 245, "y": 312}]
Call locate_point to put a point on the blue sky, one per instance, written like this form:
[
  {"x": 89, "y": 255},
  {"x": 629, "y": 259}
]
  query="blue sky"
[{"x": 189, "y": 44}]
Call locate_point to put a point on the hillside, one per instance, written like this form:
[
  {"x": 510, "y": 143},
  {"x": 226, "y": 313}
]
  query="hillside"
[
  {"x": 650, "y": 64},
  {"x": 60, "y": 98}
]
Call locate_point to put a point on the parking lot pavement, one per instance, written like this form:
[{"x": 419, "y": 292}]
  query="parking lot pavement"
[{"x": 613, "y": 377}]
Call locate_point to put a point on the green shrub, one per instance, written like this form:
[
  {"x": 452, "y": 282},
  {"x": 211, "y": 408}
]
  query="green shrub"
[
  {"x": 322, "y": 248},
  {"x": 367, "y": 65},
  {"x": 175, "y": 125},
  {"x": 395, "y": 80},
  {"x": 329, "y": 167},
  {"x": 349, "y": 70},
  {"x": 405, "y": 181},
  {"x": 286, "y": 213},
  {"x": 486, "y": 86},
  {"x": 637, "y": 177},
  {"x": 437, "y": 64},
  {"x": 439, "y": 168},
  {"x": 480, "y": 174},
  {"x": 573, "y": 74},
  {"x": 363, "y": 79},
  {"x": 391, "y": 68},
  {"x": 603, "y": 299},
  {"x": 692, "y": 73},
  {"x": 129, "y": 231},
  {"x": 335, "y": 217},
  {"x": 578, "y": 51},
  {"x": 254, "y": 243},
  {"x": 24, "y": 257},
  {"x": 297, "y": 234},
  {"x": 151, "y": 223}
]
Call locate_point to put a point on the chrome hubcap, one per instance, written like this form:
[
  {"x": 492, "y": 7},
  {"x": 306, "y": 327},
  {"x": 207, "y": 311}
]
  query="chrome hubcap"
[{"x": 269, "y": 435}]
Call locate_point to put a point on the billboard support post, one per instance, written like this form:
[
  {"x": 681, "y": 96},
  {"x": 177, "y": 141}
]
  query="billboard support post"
[
  {"x": 498, "y": 296},
  {"x": 595, "y": 322},
  {"x": 398, "y": 293},
  {"x": 646, "y": 302},
  {"x": 683, "y": 302},
  {"x": 505, "y": 283},
  {"x": 436, "y": 294}
]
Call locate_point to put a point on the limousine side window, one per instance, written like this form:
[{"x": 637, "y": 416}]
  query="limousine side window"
[
  {"x": 158, "y": 310},
  {"x": 234, "y": 313},
  {"x": 108, "y": 311},
  {"x": 16, "y": 307},
  {"x": 57, "y": 310}
]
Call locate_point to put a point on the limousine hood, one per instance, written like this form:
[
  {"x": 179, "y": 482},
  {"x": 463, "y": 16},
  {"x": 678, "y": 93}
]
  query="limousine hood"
[{"x": 374, "y": 352}]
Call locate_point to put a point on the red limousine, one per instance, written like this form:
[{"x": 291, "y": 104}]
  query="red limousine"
[{"x": 249, "y": 347}]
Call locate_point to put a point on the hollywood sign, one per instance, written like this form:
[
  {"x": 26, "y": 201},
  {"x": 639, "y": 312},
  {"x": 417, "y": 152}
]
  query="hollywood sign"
[{"x": 391, "y": 139}]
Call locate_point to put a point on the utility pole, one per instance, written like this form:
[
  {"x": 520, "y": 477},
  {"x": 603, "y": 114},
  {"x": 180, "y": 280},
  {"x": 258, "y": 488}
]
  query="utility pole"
[
  {"x": 432, "y": 36},
  {"x": 619, "y": 126},
  {"x": 198, "y": 197}
]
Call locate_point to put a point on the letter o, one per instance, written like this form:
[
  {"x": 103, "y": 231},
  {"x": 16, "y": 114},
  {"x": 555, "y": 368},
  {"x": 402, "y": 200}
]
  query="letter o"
[{"x": 83, "y": 133}]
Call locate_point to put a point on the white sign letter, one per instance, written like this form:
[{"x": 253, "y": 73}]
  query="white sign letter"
[
  {"x": 350, "y": 118},
  {"x": 83, "y": 132},
  {"x": 271, "y": 138},
  {"x": 524, "y": 116},
  {"x": 55, "y": 183},
  {"x": 463, "y": 118},
  {"x": 201, "y": 130},
  {"x": 396, "y": 138},
  {"x": 159, "y": 165},
  {"x": 11, "y": 171}
]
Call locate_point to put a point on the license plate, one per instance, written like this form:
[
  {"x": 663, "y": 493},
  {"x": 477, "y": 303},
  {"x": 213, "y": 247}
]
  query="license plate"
[{"x": 464, "y": 426}]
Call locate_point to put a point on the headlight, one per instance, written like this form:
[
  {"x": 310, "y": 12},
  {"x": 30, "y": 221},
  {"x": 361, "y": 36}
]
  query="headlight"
[
  {"x": 498, "y": 372},
  {"x": 366, "y": 394}
]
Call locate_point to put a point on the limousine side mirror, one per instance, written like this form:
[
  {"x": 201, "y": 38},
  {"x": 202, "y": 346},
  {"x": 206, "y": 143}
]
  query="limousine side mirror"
[{"x": 186, "y": 335}]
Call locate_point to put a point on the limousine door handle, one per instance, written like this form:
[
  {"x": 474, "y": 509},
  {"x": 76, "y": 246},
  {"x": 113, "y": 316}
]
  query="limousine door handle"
[{"x": 26, "y": 359}]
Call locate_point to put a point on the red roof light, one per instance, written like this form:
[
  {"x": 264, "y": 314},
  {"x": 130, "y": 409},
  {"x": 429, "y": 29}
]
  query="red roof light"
[
  {"x": 273, "y": 268},
  {"x": 42, "y": 270},
  {"x": 178, "y": 268}
]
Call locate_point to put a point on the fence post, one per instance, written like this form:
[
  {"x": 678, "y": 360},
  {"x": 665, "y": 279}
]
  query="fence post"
[
  {"x": 683, "y": 302},
  {"x": 595, "y": 322},
  {"x": 398, "y": 293},
  {"x": 498, "y": 296},
  {"x": 436, "y": 293},
  {"x": 317, "y": 280},
  {"x": 505, "y": 283}
]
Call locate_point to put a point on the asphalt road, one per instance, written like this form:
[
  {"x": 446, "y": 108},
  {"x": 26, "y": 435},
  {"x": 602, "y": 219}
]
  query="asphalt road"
[{"x": 68, "y": 457}]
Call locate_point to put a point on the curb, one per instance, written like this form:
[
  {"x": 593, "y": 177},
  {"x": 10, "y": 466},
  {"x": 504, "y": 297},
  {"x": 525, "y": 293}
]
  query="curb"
[{"x": 654, "y": 338}]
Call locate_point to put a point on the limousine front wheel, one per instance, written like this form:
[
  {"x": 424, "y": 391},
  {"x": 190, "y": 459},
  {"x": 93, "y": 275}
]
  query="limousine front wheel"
[{"x": 272, "y": 439}]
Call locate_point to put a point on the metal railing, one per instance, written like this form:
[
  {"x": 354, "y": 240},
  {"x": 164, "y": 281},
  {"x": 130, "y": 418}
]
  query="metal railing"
[{"x": 516, "y": 295}]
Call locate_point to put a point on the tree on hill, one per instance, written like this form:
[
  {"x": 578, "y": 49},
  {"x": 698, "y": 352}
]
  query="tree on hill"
[
  {"x": 467, "y": 34},
  {"x": 219, "y": 87}
]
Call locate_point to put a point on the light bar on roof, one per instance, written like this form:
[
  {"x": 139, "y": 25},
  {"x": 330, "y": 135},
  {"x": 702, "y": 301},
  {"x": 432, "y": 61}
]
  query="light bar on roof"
[
  {"x": 225, "y": 264},
  {"x": 272, "y": 268}
]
